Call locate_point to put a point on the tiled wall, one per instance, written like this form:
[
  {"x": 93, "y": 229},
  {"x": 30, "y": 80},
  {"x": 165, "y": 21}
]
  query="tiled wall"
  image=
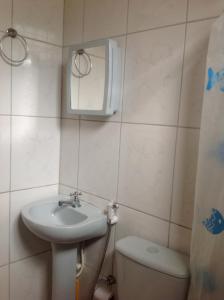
[
  {"x": 145, "y": 156},
  {"x": 30, "y": 97}
]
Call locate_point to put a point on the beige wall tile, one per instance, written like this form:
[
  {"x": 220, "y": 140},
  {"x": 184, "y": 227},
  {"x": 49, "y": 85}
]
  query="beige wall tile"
[
  {"x": 98, "y": 166},
  {"x": 64, "y": 104},
  {"x": 69, "y": 152},
  {"x": 180, "y": 239},
  {"x": 5, "y": 14},
  {"x": 73, "y": 21},
  {"x": 185, "y": 176},
  {"x": 145, "y": 14},
  {"x": 23, "y": 242},
  {"x": 4, "y": 229},
  {"x": 42, "y": 20},
  {"x": 153, "y": 76},
  {"x": 146, "y": 168},
  {"x": 104, "y": 18},
  {"x": 4, "y": 282},
  {"x": 35, "y": 152},
  {"x": 30, "y": 278},
  {"x": 5, "y": 78},
  {"x": 194, "y": 73},
  {"x": 4, "y": 153},
  {"x": 132, "y": 222},
  {"x": 96, "y": 201},
  {"x": 200, "y": 9},
  {"x": 36, "y": 85}
]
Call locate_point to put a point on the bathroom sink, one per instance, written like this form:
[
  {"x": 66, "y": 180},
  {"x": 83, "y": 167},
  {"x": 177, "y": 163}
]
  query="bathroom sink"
[
  {"x": 64, "y": 224},
  {"x": 65, "y": 227}
]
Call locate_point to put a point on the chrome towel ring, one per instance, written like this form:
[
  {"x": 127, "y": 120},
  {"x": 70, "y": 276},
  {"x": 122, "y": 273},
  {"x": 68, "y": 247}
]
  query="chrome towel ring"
[
  {"x": 76, "y": 63},
  {"x": 12, "y": 33}
]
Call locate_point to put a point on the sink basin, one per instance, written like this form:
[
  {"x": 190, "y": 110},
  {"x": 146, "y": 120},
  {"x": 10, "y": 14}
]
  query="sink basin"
[
  {"x": 64, "y": 224},
  {"x": 64, "y": 227}
]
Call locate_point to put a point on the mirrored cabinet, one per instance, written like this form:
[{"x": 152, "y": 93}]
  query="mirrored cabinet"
[{"x": 94, "y": 78}]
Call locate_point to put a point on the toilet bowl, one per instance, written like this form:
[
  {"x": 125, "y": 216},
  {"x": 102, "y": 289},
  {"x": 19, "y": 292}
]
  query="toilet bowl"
[{"x": 147, "y": 271}]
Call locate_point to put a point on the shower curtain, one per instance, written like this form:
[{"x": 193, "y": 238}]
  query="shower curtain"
[{"x": 207, "y": 250}]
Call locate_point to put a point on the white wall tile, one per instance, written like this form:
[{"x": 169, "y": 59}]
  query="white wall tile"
[
  {"x": 4, "y": 229},
  {"x": 146, "y": 168},
  {"x": 153, "y": 76},
  {"x": 5, "y": 78},
  {"x": 41, "y": 20},
  {"x": 201, "y": 9},
  {"x": 180, "y": 239},
  {"x": 145, "y": 14},
  {"x": 73, "y": 21},
  {"x": 96, "y": 201},
  {"x": 4, "y": 283},
  {"x": 64, "y": 104},
  {"x": 97, "y": 246},
  {"x": 29, "y": 278},
  {"x": 194, "y": 73},
  {"x": 69, "y": 152},
  {"x": 5, "y": 14},
  {"x": 36, "y": 85},
  {"x": 35, "y": 152},
  {"x": 132, "y": 222},
  {"x": 4, "y": 153},
  {"x": 99, "y": 149},
  {"x": 87, "y": 280},
  {"x": 185, "y": 176},
  {"x": 23, "y": 242},
  {"x": 104, "y": 18}
]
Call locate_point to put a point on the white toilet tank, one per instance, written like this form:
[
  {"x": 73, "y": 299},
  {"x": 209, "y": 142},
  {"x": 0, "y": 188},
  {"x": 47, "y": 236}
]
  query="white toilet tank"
[{"x": 147, "y": 271}]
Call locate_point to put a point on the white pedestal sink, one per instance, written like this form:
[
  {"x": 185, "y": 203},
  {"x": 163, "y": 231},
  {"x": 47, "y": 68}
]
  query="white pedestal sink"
[{"x": 64, "y": 227}]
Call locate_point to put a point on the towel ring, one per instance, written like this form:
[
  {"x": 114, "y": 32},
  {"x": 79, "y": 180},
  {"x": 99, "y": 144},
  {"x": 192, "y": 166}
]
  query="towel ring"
[
  {"x": 12, "y": 33},
  {"x": 87, "y": 58}
]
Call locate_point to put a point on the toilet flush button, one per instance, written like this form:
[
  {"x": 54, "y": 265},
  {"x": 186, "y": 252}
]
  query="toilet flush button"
[{"x": 152, "y": 250}]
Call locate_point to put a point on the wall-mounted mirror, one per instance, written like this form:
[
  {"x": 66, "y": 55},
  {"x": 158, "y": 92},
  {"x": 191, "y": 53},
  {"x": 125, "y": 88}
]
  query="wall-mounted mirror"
[{"x": 93, "y": 79}]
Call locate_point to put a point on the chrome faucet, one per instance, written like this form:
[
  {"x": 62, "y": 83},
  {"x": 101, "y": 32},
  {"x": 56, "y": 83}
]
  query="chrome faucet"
[{"x": 74, "y": 200}]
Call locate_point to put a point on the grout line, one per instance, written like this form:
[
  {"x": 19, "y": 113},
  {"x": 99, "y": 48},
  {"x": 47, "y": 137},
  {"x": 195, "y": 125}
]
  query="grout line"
[
  {"x": 28, "y": 188},
  {"x": 126, "y": 206},
  {"x": 83, "y": 21},
  {"x": 103, "y": 121},
  {"x": 120, "y": 137},
  {"x": 178, "y": 119},
  {"x": 149, "y": 29},
  {"x": 154, "y": 216},
  {"x": 10, "y": 162},
  {"x": 63, "y": 23},
  {"x": 38, "y": 40},
  {"x": 201, "y": 19},
  {"x": 30, "y": 116},
  {"x": 119, "y": 35},
  {"x": 182, "y": 226},
  {"x": 78, "y": 158},
  {"x": 29, "y": 256},
  {"x": 34, "y": 187},
  {"x": 135, "y": 123},
  {"x": 42, "y": 41}
]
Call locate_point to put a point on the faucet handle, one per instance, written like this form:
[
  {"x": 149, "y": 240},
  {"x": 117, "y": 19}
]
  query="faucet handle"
[
  {"x": 77, "y": 194},
  {"x": 72, "y": 194}
]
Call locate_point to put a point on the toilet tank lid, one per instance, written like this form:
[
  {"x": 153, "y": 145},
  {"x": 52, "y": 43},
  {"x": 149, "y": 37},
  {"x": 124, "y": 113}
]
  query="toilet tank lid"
[{"x": 154, "y": 256}]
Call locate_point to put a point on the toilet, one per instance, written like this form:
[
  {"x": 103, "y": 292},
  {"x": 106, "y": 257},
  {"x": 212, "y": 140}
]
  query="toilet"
[{"x": 147, "y": 271}]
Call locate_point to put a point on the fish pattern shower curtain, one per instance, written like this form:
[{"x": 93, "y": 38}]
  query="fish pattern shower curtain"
[{"x": 207, "y": 250}]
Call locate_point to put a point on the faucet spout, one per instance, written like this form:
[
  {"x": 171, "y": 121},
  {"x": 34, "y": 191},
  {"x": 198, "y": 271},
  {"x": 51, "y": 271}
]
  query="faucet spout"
[{"x": 74, "y": 200}]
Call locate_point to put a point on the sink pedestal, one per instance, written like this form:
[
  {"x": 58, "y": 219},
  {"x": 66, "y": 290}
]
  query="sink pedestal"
[{"x": 64, "y": 257}]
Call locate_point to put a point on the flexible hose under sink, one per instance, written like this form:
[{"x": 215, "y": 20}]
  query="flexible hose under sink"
[{"x": 109, "y": 227}]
